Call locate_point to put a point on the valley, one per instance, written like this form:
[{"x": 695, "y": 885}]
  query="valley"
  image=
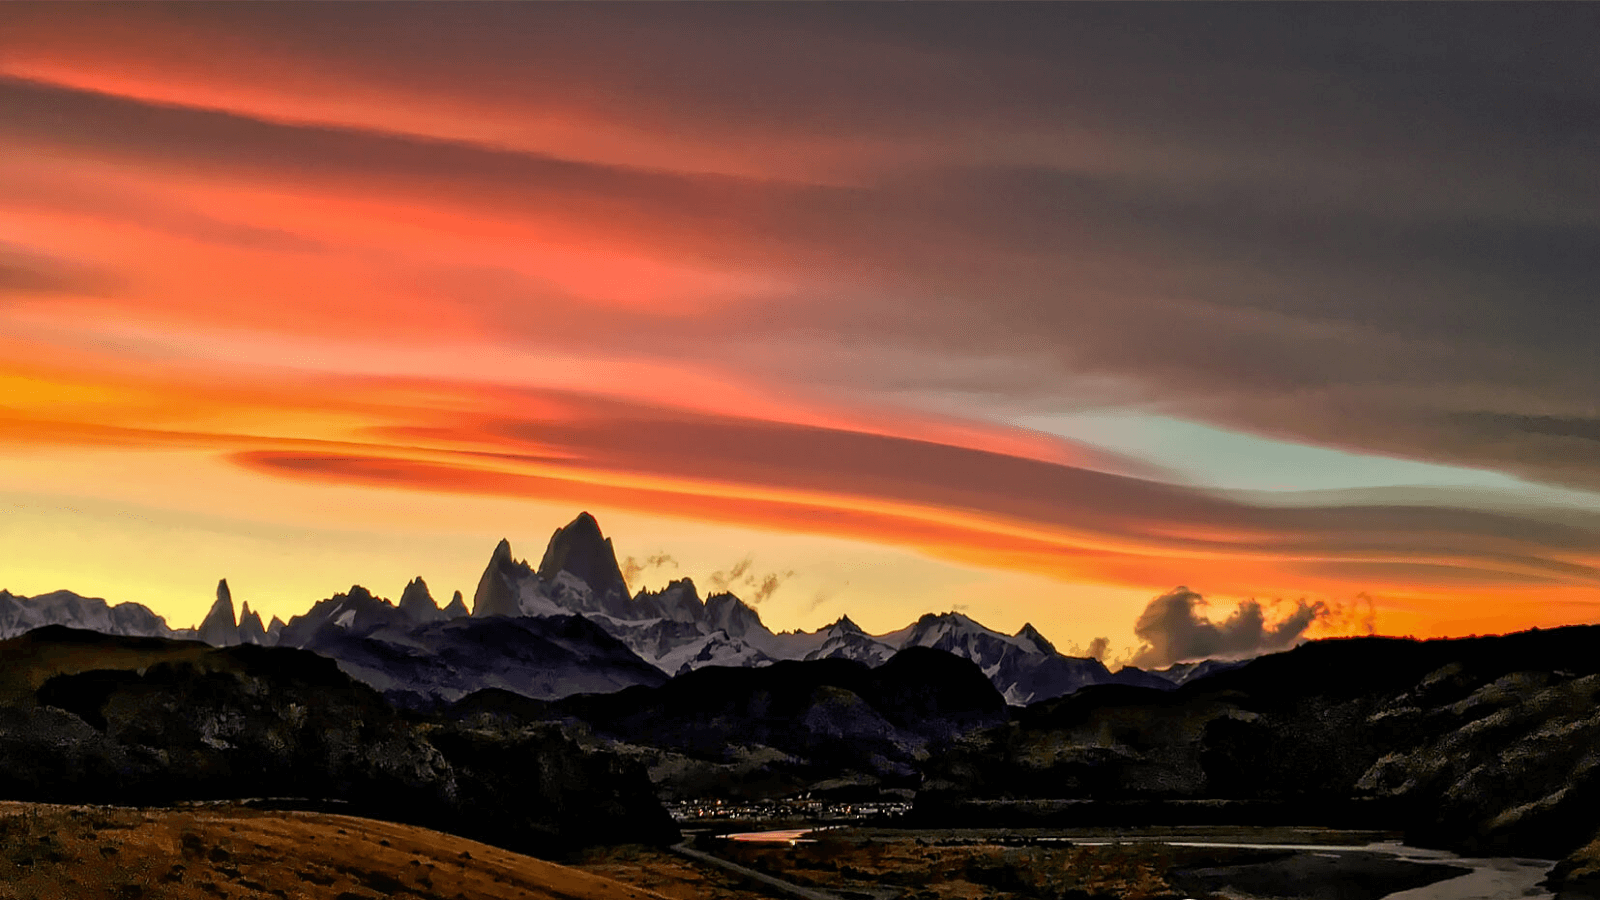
[{"x": 551, "y": 728}]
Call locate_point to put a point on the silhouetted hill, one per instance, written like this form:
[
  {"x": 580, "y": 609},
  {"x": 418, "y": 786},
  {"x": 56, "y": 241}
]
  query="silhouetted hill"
[
  {"x": 818, "y": 720},
  {"x": 545, "y": 657},
  {"x": 1480, "y": 744},
  {"x": 146, "y": 720}
]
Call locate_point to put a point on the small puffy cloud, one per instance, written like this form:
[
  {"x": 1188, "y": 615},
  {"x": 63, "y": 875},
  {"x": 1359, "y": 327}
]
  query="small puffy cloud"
[
  {"x": 756, "y": 587},
  {"x": 1097, "y": 648},
  {"x": 818, "y": 599},
  {"x": 632, "y": 567},
  {"x": 1359, "y": 616},
  {"x": 1175, "y": 628},
  {"x": 725, "y": 579},
  {"x": 769, "y": 583}
]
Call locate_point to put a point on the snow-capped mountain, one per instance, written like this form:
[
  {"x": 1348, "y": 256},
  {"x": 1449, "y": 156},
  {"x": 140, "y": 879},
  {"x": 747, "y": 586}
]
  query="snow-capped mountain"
[
  {"x": 1185, "y": 672},
  {"x": 415, "y": 646},
  {"x": 1024, "y": 667},
  {"x": 844, "y": 639},
  {"x": 414, "y": 651},
  {"x": 676, "y": 631},
  {"x": 22, "y": 614},
  {"x": 672, "y": 629}
]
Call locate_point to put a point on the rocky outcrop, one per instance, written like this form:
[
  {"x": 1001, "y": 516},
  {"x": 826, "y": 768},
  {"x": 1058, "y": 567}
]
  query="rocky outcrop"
[
  {"x": 22, "y": 614},
  {"x": 580, "y": 550},
  {"x": 456, "y": 608},
  {"x": 1577, "y": 876},
  {"x": 418, "y": 604},
  {"x": 1508, "y": 768},
  {"x": 678, "y": 602},
  {"x": 732, "y": 616},
  {"x": 357, "y": 611},
  {"x": 1030, "y": 638},
  {"x": 499, "y": 590},
  {"x": 251, "y": 631},
  {"x": 844, "y": 639},
  {"x": 220, "y": 628},
  {"x": 1482, "y": 745}
]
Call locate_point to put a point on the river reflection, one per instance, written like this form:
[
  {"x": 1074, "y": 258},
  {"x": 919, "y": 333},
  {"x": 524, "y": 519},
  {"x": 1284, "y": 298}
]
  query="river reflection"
[
  {"x": 1484, "y": 878},
  {"x": 784, "y": 836}
]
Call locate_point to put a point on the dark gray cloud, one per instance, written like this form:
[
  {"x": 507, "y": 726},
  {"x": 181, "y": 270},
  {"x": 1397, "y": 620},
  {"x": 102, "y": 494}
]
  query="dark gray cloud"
[{"x": 1174, "y": 628}]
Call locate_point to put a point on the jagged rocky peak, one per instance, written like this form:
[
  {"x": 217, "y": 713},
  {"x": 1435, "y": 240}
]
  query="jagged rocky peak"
[
  {"x": 725, "y": 612},
  {"x": 1030, "y": 637},
  {"x": 220, "y": 628},
  {"x": 580, "y": 550},
  {"x": 500, "y": 585},
  {"x": 457, "y": 607},
  {"x": 19, "y": 615},
  {"x": 358, "y": 594},
  {"x": 251, "y": 631},
  {"x": 679, "y": 601},
  {"x": 845, "y": 626},
  {"x": 418, "y": 603}
]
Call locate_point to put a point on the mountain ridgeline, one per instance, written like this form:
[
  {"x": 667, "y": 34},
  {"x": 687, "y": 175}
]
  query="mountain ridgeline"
[
  {"x": 561, "y": 707},
  {"x": 571, "y": 626}
]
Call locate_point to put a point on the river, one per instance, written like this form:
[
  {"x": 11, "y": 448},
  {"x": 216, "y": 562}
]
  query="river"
[{"x": 1489, "y": 878}]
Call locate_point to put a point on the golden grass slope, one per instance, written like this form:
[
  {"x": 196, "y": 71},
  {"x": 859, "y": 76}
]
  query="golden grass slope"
[{"x": 109, "y": 853}]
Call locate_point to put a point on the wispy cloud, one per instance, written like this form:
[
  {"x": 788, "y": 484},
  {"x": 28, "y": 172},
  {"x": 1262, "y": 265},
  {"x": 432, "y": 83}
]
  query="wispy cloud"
[
  {"x": 416, "y": 260},
  {"x": 741, "y": 576},
  {"x": 633, "y": 567}
]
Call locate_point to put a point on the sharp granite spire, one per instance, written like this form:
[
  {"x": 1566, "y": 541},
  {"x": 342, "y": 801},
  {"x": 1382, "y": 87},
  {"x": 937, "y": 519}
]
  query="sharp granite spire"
[
  {"x": 220, "y": 628},
  {"x": 418, "y": 603}
]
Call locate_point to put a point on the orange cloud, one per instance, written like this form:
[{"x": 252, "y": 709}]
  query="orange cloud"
[{"x": 523, "y": 252}]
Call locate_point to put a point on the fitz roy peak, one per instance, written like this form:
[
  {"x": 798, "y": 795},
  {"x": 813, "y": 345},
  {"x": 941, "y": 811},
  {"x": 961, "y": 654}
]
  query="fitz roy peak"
[
  {"x": 677, "y": 632},
  {"x": 571, "y": 626}
]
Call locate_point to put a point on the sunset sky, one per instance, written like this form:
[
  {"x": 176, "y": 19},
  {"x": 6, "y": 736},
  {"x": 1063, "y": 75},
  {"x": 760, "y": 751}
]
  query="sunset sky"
[{"x": 1031, "y": 311}]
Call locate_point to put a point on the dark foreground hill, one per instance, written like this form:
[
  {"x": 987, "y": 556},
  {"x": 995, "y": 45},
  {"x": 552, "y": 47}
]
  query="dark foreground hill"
[
  {"x": 778, "y": 729},
  {"x": 204, "y": 853},
  {"x": 1483, "y": 744},
  {"x": 86, "y": 717}
]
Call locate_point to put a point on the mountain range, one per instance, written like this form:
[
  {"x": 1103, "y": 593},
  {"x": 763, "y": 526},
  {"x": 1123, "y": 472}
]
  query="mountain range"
[
  {"x": 561, "y": 705},
  {"x": 572, "y": 626}
]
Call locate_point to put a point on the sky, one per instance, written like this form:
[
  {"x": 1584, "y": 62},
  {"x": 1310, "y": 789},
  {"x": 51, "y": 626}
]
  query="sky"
[{"x": 1252, "y": 322}]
